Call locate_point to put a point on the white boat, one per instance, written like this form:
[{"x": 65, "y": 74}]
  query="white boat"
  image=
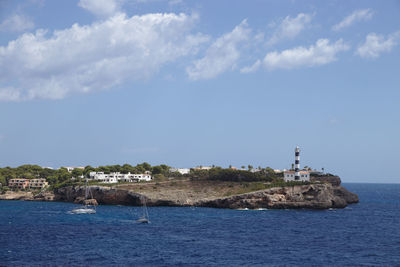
[
  {"x": 86, "y": 209},
  {"x": 145, "y": 216}
]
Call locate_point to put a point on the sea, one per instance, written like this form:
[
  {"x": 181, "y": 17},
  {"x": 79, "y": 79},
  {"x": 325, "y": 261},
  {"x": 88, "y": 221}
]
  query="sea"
[{"x": 363, "y": 234}]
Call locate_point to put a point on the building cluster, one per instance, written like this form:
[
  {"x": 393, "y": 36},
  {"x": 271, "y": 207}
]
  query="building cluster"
[
  {"x": 28, "y": 183},
  {"x": 296, "y": 174},
  {"x": 115, "y": 177}
]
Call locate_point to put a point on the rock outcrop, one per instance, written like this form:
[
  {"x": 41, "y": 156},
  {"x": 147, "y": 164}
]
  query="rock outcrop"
[
  {"x": 21, "y": 195},
  {"x": 313, "y": 196},
  {"x": 27, "y": 195},
  {"x": 325, "y": 193},
  {"x": 102, "y": 194}
]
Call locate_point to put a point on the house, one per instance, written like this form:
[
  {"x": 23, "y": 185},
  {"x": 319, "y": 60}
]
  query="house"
[
  {"x": 180, "y": 170},
  {"x": 70, "y": 169},
  {"x": 18, "y": 183},
  {"x": 28, "y": 183},
  {"x": 141, "y": 177},
  {"x": 38, "y": 183},
  {"x": 290, "y": 176},
  {"x": 115, "y": 177},
  {"x": 203, "y": 168}
]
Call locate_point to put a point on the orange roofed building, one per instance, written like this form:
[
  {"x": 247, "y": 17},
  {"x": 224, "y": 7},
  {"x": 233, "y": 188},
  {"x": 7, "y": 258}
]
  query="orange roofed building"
[{"x": 28, "y": 183}]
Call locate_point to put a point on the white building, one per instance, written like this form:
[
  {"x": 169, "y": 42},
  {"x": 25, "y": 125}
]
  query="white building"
[
  {"x": 116, "y": 177},
  {"x": 203, "y": 168},
  {"x": 296, "y": 175},
  {"x": 290, "y": 176},
  {"x": 141, "y": 177},
  {"x": 180, "y": 170},
  {"x": 70, "y": 169}
]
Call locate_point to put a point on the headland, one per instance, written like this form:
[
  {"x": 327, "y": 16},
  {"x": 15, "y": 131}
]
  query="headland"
[{"x": 321, "y": 193}]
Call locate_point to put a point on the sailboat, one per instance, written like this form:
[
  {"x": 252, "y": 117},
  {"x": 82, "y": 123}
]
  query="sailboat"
[
  {"x": 87, "y": 208},
  {"x": 145, "y": 216}
]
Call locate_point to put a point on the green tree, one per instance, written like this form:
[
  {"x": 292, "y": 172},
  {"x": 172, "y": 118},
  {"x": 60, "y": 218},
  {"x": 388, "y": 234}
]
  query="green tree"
[
  {"x": 157, "y": 170},
  {"x": 87, "y": 170},
  {"x": 114, "y": 168},
  {"x": 104, "y": 169},
  {"x": 3, "y": 180},
  {"x": 146, "y": 166},
  {"x": 77, "y": 172},
  {"x": 126, "y": 168},
  {"x": 269, "y": 171}
]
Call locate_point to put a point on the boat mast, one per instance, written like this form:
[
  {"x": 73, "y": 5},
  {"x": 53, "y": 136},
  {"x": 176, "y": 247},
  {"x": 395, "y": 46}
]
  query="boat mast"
[
  {"x": 145, "y": 212},
  {"x": 86, "y": 189}
]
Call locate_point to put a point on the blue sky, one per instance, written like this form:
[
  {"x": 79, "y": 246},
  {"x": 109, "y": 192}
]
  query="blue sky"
[{"x": 187, "y": 83}]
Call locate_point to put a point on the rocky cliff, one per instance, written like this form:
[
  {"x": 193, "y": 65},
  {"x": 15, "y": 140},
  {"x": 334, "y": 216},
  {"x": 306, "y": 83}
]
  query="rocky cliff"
[
  {"x": 313, "y": 196},
  {"x": 26, "y": 195},
  {"x": 324, "y": 193}
]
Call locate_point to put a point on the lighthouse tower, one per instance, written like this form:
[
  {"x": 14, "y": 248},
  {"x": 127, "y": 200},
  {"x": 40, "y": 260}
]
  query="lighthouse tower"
[
  {"x": 297, "y": 163},
  {"x": 296, "y": 175}
]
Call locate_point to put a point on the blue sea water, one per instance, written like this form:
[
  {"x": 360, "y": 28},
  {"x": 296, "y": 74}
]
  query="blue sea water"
[{"x": 45, "y": 234}]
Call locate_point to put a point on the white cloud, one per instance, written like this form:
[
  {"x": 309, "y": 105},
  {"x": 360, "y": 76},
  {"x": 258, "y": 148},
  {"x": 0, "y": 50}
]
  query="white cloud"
[
  {"x": 290, "y": 27},
  {"x": 94, "y": 57},
  {"x": 222, "y": 55},
  {"x": 376, "y": 44},
  {"x": 356, "y": 16},
  {"x": 319, "y": 54},
  {"x": 251, "y": 68},
  {"x": 9, "y": 94},
  {"x": 101, "y": 7},
  {"x": 16, "y": 23}
]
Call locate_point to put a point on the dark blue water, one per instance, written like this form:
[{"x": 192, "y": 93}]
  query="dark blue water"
[{"x": 38, "y": 233}]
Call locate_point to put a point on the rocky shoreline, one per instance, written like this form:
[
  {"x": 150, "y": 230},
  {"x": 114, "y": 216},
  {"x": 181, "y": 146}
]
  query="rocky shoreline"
[{"x": 327, "y": 194}]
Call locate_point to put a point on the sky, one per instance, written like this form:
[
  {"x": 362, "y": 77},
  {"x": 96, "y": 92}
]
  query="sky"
[{"x": 188, "y": 83}]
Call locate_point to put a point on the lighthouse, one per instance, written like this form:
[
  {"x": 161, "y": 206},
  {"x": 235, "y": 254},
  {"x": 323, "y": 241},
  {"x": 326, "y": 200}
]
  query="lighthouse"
[
  {"x": 297, "y": 163},
  {"x": 297, "y": 174}
]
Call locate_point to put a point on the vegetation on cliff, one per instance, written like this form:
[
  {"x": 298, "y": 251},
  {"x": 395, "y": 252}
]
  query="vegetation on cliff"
[
  {"x": 62, "y": 177},
  {"x": 242, "y": 180}
]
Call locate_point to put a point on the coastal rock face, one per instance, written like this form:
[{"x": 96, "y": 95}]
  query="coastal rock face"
[
  {"x": 44, "y": 196},
  {"x": 313, "y": 196},
  {"x": 28, "y": 196},
  {"x": 103, "y": 195},
  {"x": 348, "y": 196},
  {"x": 21, "y": 195}
]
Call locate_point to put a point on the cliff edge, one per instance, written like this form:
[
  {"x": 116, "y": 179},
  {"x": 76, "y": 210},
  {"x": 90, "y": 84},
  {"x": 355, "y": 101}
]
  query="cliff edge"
[{"x": 323, "y": 195}]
